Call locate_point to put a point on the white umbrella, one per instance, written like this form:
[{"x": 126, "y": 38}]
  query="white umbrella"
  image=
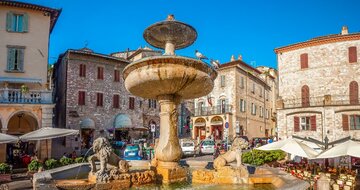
[
  {"x": 5, "y": 138},
  {"x": 48, "y": 133},
  {"x": 348, "y": 148},
  {"x": 291, "y": 146}
]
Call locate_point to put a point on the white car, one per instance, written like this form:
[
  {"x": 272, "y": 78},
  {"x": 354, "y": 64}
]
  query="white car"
[
  {"x": 207, "y": 146},
  {"x": 188, "y": 148}
]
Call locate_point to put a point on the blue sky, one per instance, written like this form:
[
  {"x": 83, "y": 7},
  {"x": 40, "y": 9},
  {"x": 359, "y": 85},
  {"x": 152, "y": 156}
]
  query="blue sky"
[{"x": 252, "y": 28}]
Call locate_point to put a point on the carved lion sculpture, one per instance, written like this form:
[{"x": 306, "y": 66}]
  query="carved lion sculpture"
[
  {"x": 104, "y": 153},
  {"x": 233, "y": 154}
]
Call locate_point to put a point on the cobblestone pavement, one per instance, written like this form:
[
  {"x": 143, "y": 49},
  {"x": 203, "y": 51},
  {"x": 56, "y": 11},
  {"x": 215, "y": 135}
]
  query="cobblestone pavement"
[{"x": 209, "y": 158}]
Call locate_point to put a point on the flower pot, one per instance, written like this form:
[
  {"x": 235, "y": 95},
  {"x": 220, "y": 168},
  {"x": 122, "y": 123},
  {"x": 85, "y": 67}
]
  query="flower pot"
[{"x": 251, "y": 169}]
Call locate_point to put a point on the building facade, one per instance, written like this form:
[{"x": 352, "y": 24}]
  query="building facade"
[
  {"x": 241, "y": 102},
  {"x": 91, "y": 97},
  {"x": 318, "y": 87},
  {"x": 25, "y": 94}
]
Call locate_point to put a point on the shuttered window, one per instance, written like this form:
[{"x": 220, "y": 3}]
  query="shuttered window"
[
  {"x": 345, "y": 122},
  {"x": 352, "y": 54},
  {"x": 296, "y": 124},
  {"x": 304, "y": 61},
  {"x": 16, "y": 22},
  {"x": 222, "y": 78},
  {"x": 82, "y": 72},
  {"x": 131, "y": 103},
  {"x": 15, "y": 59},
  {"x": 81, "y": 98},
  {"x": 313, "y": 123},
  {"x": 100, "y": 73},
  {"x": 99, "y": 99},
  {"x": 305, "y": 96},
  {"x": 242, "y": 82},
  {"x": 116, "y": 75},
  {"x": 152, "y": 103},
  {"x": 242, "y": 105},
  {"x": 354, "y": 122},
  {"x": 354, "y": 92},
  {"x": 116, "y": 101}
]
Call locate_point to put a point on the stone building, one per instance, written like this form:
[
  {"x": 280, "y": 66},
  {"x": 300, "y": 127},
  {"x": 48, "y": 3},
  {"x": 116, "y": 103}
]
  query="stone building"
[
  {"x": 318, "y": 87},
  {"x": 25, "y": 96},
  {"x": 91, "y": 97},
  {"x": 243, "y": 99}
]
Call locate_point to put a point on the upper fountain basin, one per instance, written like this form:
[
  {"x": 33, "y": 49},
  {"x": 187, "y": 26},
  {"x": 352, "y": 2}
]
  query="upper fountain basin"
[
  {"x": 169, "y": 75},
  {"x": 175, "y": 32}
]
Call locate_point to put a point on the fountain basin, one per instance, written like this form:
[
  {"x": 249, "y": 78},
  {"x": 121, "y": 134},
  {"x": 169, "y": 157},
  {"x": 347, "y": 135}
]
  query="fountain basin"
[{"x": 163, "y": 75}]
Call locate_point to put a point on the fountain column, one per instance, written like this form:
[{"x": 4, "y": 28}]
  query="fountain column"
[{"x": 168, "y": 148}]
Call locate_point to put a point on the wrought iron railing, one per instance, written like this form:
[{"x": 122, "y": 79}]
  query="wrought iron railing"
[
  {"x": 320, "y": 101},
  {"x": 17, "y": 96},
  {"x": 213, "y": 110}
]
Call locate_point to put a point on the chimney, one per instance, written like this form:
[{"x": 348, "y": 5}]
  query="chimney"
[
  {"x": 232, "y": 58},
  {"x": 344, "y": 30},
  {"x": 240, "y": 57}
]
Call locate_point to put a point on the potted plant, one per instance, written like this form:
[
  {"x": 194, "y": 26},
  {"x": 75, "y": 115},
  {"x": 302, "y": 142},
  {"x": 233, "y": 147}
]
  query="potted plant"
[
  {"x": 51, "y": 163},
  {"x": 34, "y": 167},
  {"x": 24, "y": 89},
  {"x": 5, "y": 175},
  {"x": 65, "y": 161}
]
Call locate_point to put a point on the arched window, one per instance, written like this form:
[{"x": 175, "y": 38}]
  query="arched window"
[
  {"x": 305, "y": 96},
  {"x": 354, "y": 92}
]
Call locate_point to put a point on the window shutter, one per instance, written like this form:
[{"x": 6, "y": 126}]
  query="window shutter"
[
  {"x": 354, "y": 92},
  {"x": 9, "y": 16},
  {"x": 352, "y": 54},
  {"x": 244, "y": 106},
  {"x": 25, "y": 24},
  {"x": 304, "y": 60},
  {"x": 21, "y": 59},
  {"x": 313, "y": 122},
  {"x": 296, "y": 124},
  {"x": 345, "y": 122},
  {"x": 84, "y": 70},
  {"x": 154, "y": 104},
  {"x": 80, "y": 70},
  {"x": 11, "y": 58}
]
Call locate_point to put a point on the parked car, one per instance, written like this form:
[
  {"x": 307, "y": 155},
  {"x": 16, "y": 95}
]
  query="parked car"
[
  {"x": 207, "y": 146},
  {"x": 131, "y": 152},
  {"x": 188, "y": 148}
]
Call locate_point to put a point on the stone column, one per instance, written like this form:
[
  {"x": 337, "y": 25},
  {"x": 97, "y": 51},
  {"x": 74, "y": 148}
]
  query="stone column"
[{"x": 168, "y": 149}]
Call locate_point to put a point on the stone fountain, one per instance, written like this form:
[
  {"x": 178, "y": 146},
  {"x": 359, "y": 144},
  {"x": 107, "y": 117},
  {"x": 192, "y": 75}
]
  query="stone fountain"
[{"x": 169, "y": 79}]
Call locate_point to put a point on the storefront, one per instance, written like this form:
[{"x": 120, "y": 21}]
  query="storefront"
[
  {"x": 87, "y": 127},
  {"x": 200, "y": 129}
]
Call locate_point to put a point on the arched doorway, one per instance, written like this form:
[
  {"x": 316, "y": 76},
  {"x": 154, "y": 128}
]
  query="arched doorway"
[
  {"x": 87, "y": 127},
  {"x": 19, "y": 124},
  {"x": 217, "y": 128},
  {"x": 199, "y": 127}
]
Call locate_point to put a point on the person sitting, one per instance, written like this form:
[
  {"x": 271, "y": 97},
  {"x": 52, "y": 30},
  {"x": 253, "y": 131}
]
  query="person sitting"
[{"x": 73, "y": 155}]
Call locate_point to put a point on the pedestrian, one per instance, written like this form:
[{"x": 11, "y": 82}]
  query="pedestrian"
[{"x": 217, "y": 151}]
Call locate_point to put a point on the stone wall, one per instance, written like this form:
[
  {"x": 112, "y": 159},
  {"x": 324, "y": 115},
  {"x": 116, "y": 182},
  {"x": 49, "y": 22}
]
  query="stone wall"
[
  {"x": 329, "y": 73},
  {"x": 102, "y": 116},
  {"x": 234, "y": 91}
]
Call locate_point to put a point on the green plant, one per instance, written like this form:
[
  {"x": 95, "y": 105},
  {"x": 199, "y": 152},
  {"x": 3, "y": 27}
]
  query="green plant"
[
  {"x": 79, "y": 160},
  {"x": 51, "y": 163},
  {"x": 260, "y": 157},
  {"x": 4, "y": 168},
  {"x": 24, "y": 89},
  {"x": 34, "y": 166},
  {"x": 65, "y": 161}
]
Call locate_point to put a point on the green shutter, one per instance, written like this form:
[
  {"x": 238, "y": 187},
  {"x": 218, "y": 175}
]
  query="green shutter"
[
  {"x": 9, "y": 17},
  {"x": 11, "y": 59},
  {"x": 21, "y": 59},
  {"x": 25, "y": 23}
]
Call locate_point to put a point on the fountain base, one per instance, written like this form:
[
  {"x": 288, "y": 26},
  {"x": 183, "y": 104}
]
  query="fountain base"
[
  {"x": 224, "y": 175},
  {"x": 117, "y": 181},
  {"x": 171, "y": 172}
]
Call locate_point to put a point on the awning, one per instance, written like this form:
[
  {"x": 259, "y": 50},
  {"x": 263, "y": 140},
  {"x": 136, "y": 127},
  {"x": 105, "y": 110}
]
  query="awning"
[
  {"x": 20, "y": 80},
  {"x": 48, "y": 133},
  {"x": 5, "y": 138},
  {"x": 199, "y": 124},
  {"x": 122, "y": 121},
  {"x": 87, "y": 123},
  {"x": 216, "y": 123}
]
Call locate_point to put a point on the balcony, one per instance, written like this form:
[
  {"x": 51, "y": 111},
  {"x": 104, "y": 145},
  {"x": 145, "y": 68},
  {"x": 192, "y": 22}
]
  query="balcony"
[
  {"x": 214, "y": 110},
  {"x": 327, "y": 100},
  {"x": 16, "y": 96}
]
